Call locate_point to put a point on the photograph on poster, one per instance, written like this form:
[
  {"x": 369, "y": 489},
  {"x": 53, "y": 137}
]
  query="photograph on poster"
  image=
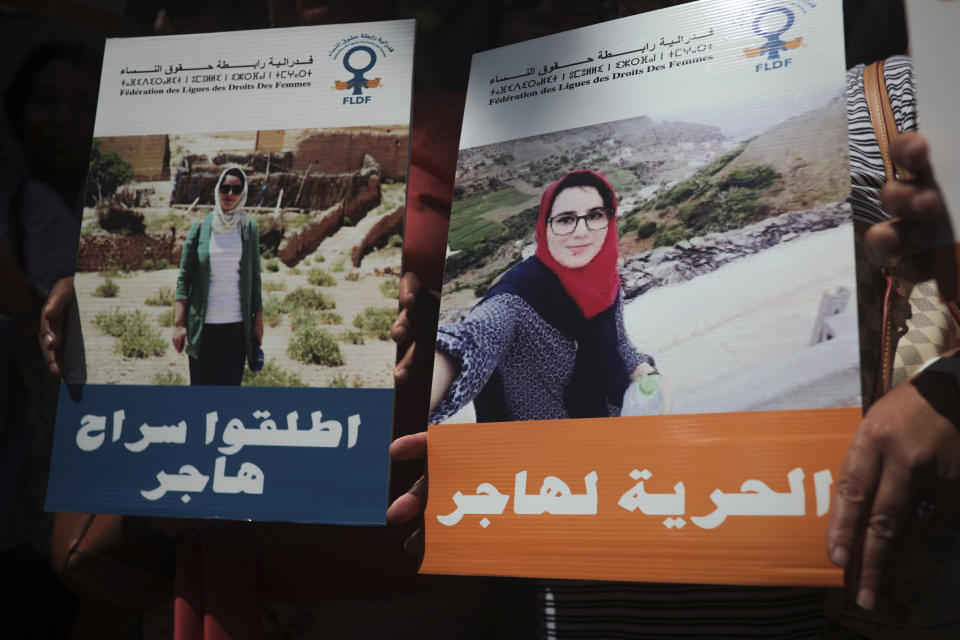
[
  {"x": 302, "y": 225},
  {"x": 648, "y": 266}
]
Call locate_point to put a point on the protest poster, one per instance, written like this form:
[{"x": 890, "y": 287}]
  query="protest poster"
[
  {"x": 647, "y": 364},
  {"x": 240, "y": 180}
]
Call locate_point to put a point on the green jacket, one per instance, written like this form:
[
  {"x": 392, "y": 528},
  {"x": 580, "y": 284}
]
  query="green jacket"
[{"x": 193, "y": 283}]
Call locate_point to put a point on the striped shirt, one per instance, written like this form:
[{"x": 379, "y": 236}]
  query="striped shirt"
[{"x": 866, "y": 162}]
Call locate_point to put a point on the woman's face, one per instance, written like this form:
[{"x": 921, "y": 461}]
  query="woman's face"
[
  {"x": 577, "y": 248},
  {"x": 229, "y": 200}
]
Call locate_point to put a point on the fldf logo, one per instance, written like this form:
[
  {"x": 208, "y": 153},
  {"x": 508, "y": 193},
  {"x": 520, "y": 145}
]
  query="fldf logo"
[
  {"x": 358, "y": 61},
  {"x": 771, "y": 24}
]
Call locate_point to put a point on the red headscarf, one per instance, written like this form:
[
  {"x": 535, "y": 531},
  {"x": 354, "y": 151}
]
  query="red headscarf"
[{"x": 594, "y": 286}]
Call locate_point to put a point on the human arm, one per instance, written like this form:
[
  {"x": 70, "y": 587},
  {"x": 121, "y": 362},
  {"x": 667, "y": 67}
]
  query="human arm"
[
  {"x": 468, "y": 352},
  {"x": 414, "y": 331},
  {"x": 258, "y": 326},
  {"x": 47, "y": 241},
  {"x": 444, "y": 371},
  {"x": 256, "y": 298},
  {"x": 186, "y": 278},
  {"x": 905, "y": 451},
  {"x": 189, "y": 263},
  {"x": 53, "y": 324},
  {"x": 179, "y": 337},
  {"x": 636, "y": 363},
  {"x": 410, "y": 504},
  {"x": 906, "y": 448}
]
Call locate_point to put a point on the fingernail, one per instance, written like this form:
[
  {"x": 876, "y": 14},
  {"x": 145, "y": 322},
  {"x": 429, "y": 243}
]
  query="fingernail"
[
  {"x": 865, "y": 599},
  {"x": 839, "y": 556}
]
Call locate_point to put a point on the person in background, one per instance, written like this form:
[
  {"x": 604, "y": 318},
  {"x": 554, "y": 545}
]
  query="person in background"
[{"x": 49, "y": 108}]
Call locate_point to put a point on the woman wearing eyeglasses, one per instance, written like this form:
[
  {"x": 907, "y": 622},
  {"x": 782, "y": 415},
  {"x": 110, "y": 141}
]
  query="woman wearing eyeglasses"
[
  {"x": 218, "y": 313},
  {"x": 547, "y": 341}
]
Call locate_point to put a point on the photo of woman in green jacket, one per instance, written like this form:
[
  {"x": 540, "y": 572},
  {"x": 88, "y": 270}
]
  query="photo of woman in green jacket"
[{"x": 218, "y": 313}]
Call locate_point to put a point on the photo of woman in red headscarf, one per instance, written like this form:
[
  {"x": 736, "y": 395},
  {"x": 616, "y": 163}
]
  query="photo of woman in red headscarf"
[{"x": 547, "y": 341}]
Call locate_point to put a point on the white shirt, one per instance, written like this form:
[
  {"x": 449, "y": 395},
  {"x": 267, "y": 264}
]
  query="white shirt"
[{"x": 223, "y": 299}]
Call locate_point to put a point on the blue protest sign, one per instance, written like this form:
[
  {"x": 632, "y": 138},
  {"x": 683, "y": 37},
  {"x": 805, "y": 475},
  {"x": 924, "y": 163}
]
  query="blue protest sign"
[{"x": 299, "y": 455}]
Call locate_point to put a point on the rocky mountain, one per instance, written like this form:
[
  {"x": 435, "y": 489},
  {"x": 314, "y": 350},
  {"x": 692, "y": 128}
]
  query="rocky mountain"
[
  {"x": 646, "y": 148},
  {"x": 810, "y": 153}
]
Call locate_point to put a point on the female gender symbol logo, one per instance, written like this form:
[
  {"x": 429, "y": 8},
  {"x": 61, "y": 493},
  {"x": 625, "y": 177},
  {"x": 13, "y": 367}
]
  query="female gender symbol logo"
[
  {"x": 774, "y": 44},
  {"x": 358, "y": 81}
]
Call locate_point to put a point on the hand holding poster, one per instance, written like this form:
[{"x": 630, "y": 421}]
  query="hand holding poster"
[
  {"x": 650, "y": 264},
  {"x": 243, "y": 221}
]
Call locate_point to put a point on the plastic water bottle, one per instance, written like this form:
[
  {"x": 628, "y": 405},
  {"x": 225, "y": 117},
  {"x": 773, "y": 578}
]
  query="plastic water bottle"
[{"x": 643, "y": 397}]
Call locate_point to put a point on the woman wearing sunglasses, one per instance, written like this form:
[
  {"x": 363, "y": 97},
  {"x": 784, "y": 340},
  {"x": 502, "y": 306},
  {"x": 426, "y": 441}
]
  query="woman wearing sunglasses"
[
  {"x": 547, "y": 341},
  {"x": 218, "y": 313}
]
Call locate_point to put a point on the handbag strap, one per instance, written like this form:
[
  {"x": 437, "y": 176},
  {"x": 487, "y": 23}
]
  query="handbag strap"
[
  {"x": 882, "y": 118},
  {"x": 895, "y": 307},
  {"x": 886, "y": 129}
]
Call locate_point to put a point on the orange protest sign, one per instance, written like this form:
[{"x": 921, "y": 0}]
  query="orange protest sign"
[
  {"x": 739, "y": 498},
  {"x": 647, "y": 364}
]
